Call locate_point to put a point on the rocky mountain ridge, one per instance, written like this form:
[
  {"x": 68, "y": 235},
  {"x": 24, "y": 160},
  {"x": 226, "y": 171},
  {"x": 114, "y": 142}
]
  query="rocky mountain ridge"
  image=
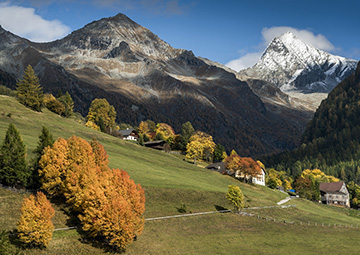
[
  {"x": 292, "y": 65},
  {"x": 145, "y": 78}
]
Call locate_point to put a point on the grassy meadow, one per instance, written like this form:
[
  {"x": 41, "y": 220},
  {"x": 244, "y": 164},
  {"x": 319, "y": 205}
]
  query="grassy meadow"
[{"x": 170, "y": 182}]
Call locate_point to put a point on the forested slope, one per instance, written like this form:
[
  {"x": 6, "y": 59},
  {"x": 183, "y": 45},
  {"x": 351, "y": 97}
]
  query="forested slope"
[{"x": 331, "y": 140}]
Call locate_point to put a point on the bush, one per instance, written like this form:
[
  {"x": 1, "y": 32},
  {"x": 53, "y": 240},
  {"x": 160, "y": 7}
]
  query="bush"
[{"x": 6, "y": 91}]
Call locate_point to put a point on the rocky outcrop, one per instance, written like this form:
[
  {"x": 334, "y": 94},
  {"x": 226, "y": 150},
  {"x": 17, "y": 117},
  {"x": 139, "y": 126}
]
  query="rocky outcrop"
[{"x": 122, "y": 52}]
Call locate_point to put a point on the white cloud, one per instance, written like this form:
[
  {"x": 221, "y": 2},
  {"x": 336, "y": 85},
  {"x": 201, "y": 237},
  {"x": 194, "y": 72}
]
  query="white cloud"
[
  {"x": 319, "y": 41},
  {"x": 268, "y": 34},
  {"x": 25, "y": 23},
  {"x": 245, "y": 61}
]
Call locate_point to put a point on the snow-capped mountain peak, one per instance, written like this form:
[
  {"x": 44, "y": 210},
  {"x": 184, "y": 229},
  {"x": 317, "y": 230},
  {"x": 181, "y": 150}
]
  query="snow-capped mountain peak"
[{"x": 293, "y": 65}]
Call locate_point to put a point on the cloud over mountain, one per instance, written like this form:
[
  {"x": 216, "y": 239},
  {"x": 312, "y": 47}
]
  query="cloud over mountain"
[{"x": 26, "y": 23}]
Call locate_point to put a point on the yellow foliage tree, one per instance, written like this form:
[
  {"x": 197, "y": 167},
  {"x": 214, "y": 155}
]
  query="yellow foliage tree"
[
  {"x": 92, "y": 125},
  {"x": 318, "y": 175},
  {"x": 102, "y": 114},
  {"x": 143, "y": 128},
  {"x": 114, "y": 209},
  {"x": 34, "y": 226},
  {"x": 235, "y": 197},
  {"x": 53, "y": 104},
  {"x": 198, "y": 145},
  {"x": 165, "y": 130}
]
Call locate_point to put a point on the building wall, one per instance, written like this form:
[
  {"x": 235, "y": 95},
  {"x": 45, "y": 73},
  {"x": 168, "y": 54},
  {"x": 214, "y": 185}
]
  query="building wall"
[
  {"x": 260, "y": 180},
  {"x": 130, "y": 138},
  {"x": 334, "y": 198}
]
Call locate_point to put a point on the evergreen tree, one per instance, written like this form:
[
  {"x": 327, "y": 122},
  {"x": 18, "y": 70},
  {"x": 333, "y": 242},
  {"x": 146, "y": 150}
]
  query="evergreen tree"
[
  {"x": 29, "y": 91},
  {"x": 219, "y": 153},
  {"x": 45, "y": 139},
  {"x": 13, "y": 169},
  {"x": 187, "y": 131},
  {"x": 68, "y": 103}
]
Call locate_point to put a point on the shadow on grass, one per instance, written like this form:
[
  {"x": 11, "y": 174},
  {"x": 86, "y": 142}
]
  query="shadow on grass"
[
  {"x": 220, "y": 208},
  {"x": 72, "y": 216},
  {"x": 99, "y": 243}
]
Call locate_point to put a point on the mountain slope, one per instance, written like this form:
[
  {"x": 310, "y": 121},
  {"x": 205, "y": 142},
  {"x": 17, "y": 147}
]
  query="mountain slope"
[
  {"x": 331, "y": 141},
  {"x": 145, "y": 78},
  {"x": 292, "y": 65}
]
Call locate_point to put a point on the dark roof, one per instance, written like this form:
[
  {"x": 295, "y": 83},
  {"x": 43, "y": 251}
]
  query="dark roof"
[
  {"x": 216, "y": 165},
  {"x": 158, "y": 142},
  {"x": 126, "y": 132},
  {"x": 331, "y": 187},
  {"x": 219, "y": 167}
]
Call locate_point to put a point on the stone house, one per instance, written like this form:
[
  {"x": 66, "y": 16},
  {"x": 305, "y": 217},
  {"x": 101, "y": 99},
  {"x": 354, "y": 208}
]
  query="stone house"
[{"x": 335, "y": 193}]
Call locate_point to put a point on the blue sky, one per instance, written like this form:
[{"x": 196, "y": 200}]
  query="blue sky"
[{"x": 223, "y": 31}]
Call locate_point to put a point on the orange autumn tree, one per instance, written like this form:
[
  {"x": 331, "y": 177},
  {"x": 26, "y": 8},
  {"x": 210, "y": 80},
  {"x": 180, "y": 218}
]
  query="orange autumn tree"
[
  {"x": 232, "y": 162},
  {"x": 67, "y": 167},
  {"x": 114, "y": 209},
  {"x": 109, "y": 203},
  {"x": 242, "y": 166},
  {"x": 199, "y": 145},
  {"x": 250, "y": 167},
  {"x": 101, "y": 156},
  {"x": 54, "y": 165},
  {"x": 34, "y": 226}
]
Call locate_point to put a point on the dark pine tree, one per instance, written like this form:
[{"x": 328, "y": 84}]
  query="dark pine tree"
[
  {"x": 68, "y": 103},
  {"x": 13, "y": 168},
  {"x": 29, "y": 91},
  {"x": 219, "y": 153},
  {"x": 45, "y": 139}
]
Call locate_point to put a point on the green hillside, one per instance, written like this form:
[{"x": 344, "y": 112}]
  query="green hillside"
[{"x": 170, "y": 182}]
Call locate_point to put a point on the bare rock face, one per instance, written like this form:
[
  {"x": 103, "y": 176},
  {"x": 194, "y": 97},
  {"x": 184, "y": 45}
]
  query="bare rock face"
[
  {"x": 145, "y": 78},
  {"x": 123, "y": 53}
]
